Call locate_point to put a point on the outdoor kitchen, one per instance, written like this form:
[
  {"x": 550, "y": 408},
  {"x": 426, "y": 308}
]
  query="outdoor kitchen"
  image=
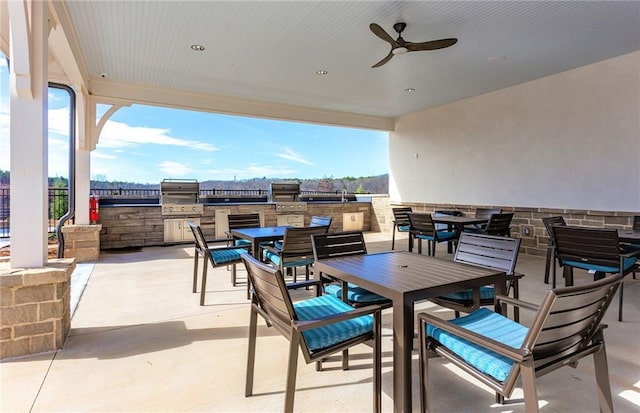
[{"x": 130, "y": 222}]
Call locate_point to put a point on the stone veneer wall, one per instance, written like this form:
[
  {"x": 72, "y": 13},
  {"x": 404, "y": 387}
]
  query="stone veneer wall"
[
  {"x": 35, "y": 308},
  {"x": 530, "y": 218},
  {"x": 82, "y": 242},
  {"x": 143, "y": 225}
]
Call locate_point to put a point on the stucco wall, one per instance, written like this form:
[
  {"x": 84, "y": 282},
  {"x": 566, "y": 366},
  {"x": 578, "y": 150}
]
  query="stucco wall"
[{"x": 571, "y": 140}]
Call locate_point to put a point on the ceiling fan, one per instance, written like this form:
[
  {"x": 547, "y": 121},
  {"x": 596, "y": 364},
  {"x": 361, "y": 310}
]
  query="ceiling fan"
[{"x": 400, "y": 46}]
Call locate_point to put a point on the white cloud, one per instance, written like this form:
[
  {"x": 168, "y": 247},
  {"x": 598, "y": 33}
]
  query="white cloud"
[
  {"x": 99, "y": 155},
  {"x": 293, "y": 156},
  {"x": 252, "y": 171},
  {"x": 121, "y": 135},
  {"x": 173, "y": 169}
]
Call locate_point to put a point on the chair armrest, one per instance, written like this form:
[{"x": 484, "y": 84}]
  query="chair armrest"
[
  {"x": 517, "y": 354},
  {"x": 629, "y": 254},
  {"x": 516, "y": 302},
  {"x": 217, "y": 240},
  {"x": 231, "y": 247},
  {"x": 300, "y": 284},
  {"x": 272, "y": 249},
  {"x": 319, "y": 322}
]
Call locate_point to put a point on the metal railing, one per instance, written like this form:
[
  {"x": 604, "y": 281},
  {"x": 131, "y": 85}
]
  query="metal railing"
[{"x": 59, "y": 199}]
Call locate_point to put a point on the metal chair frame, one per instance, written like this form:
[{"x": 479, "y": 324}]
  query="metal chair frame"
[
  {"x": 271, "y": 300},
  {"x": 565, "y": 329}
]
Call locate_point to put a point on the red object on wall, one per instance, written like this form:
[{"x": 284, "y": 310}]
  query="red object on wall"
[{"x": 93, "y": 209}]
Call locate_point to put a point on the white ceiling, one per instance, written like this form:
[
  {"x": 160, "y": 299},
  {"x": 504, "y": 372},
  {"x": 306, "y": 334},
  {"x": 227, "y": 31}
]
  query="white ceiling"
[{"x": 269, "y": 51}]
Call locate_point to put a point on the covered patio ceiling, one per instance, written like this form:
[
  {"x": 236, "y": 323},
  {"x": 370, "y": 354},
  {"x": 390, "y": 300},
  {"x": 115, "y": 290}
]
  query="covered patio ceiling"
[{"x": 261, "y": 58}]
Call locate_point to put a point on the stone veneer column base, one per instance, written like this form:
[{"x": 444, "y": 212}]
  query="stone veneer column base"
[
  {"x": 82, "y": 242},
  {"x": 35, "y": 312}
]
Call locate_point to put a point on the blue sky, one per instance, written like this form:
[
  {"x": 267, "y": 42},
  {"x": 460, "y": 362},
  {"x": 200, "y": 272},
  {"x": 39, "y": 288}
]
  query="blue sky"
[{"x": 146, "y": 144}]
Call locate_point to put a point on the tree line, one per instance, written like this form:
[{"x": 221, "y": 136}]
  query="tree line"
[{"x": 364, "y": 185}]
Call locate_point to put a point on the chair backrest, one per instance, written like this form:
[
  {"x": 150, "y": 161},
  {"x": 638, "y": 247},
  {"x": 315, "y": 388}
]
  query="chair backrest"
[
  {"x": 488, "y": 251},
  {"x": 445, "y": 213},
  {"x": 319, "y": 221},
  {"x": 591, "y": 246},
  {"x": 550, "y": 222},
  {"x": 499, "y": 224},
  {"x": 401, "y": 215},
  {"x": 421, "y": 224},
  {"x": 636, "y": 223},
  {"x": 485, "y": 213},
  {"x": 338, "y": 244},
  {"x": 270, "y": 294},
  {"x": 567, "y": 320},
  {"x": 239, "y": 221},
  {"x": 201, "y": 242},
  {"x": 296, "y": 244}
]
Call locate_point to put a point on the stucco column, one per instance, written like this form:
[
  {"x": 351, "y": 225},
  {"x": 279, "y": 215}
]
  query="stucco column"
[
  {"x": 83, "y": 182},
  {"x": 28, "y": 134}
]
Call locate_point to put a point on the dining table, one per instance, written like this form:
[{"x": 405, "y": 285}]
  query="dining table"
[
  {"x": 259, "y": 235},
  {"x": 405, "y": 278}
]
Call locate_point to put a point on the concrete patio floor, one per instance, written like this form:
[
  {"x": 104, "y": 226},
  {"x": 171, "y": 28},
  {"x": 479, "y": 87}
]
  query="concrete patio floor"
[{"x": 140, "y": 342}]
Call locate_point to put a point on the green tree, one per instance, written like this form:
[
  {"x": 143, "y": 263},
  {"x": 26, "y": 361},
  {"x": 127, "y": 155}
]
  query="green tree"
[
  {"x": 359, "y": 190},
  {"x": 60, "y": 202}
]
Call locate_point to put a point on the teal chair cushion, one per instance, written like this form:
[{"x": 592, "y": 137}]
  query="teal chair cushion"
[
  {"x": 275, "y": 259},
  {"x": 486, "y": 293},
  {"x": 227, "y": 255},
  {"x": 355, "y": 294},
  {"x": 627, "y": 263},
  {"x": 488, "y": 324},
  {"x": 442, "y": 236},
  {"x": 326, "y": 336},
  {"x": 404, "y": 228},
  {"x": 241, "y": 242}
]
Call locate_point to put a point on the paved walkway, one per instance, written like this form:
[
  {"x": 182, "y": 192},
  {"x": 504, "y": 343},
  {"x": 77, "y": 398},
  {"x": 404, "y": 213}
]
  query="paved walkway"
[{"x": 141, "y": 343}]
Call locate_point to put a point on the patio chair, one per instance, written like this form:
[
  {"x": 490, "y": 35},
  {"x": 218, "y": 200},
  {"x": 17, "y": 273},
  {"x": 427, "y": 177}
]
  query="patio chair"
[
  {"x": 443, "y": 213},
  {"x": 423, "y": 228},
  {"x": 635, "y": 227},
  {"x": 496, "y": 350},
  {"x": 596, "y": 250},
  {"x": 296, "y": 250},
  {"x": 229, "y": 255},
  {"x": 499, "y": 224},
  {"x": 486, "y": 251},
  {"x": 483, "y": 213},
  {"x": 342, "y": 244},
  {"x": 627, "y": 247},
  {"x": 400, "y": 222},
  {"x": 318, "y": 326},
  {"x": 549, "y": 223},
  {"x": 239, "y": 221}
]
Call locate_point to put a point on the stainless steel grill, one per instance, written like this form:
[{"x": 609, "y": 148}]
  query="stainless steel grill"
[
  {"x": 286, "y": 196},
  {"x": 284, "y": 192},
  {"x": 180, "y": 197}
]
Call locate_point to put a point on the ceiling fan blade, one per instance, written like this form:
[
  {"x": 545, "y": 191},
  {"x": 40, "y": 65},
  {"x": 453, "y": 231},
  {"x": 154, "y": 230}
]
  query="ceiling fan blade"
[
  {"x": 383, "y": 61},
  {"x": 432, "y": 45},
  {"x": 379, "y": 31}
]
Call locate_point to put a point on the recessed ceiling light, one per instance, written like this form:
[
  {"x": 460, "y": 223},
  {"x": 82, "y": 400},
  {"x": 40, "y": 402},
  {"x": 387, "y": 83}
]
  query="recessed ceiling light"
[
  {"x": 409, "y": 90},
  {"x": 321, "y": 72},
  {"x": 197, "y": 47}
]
